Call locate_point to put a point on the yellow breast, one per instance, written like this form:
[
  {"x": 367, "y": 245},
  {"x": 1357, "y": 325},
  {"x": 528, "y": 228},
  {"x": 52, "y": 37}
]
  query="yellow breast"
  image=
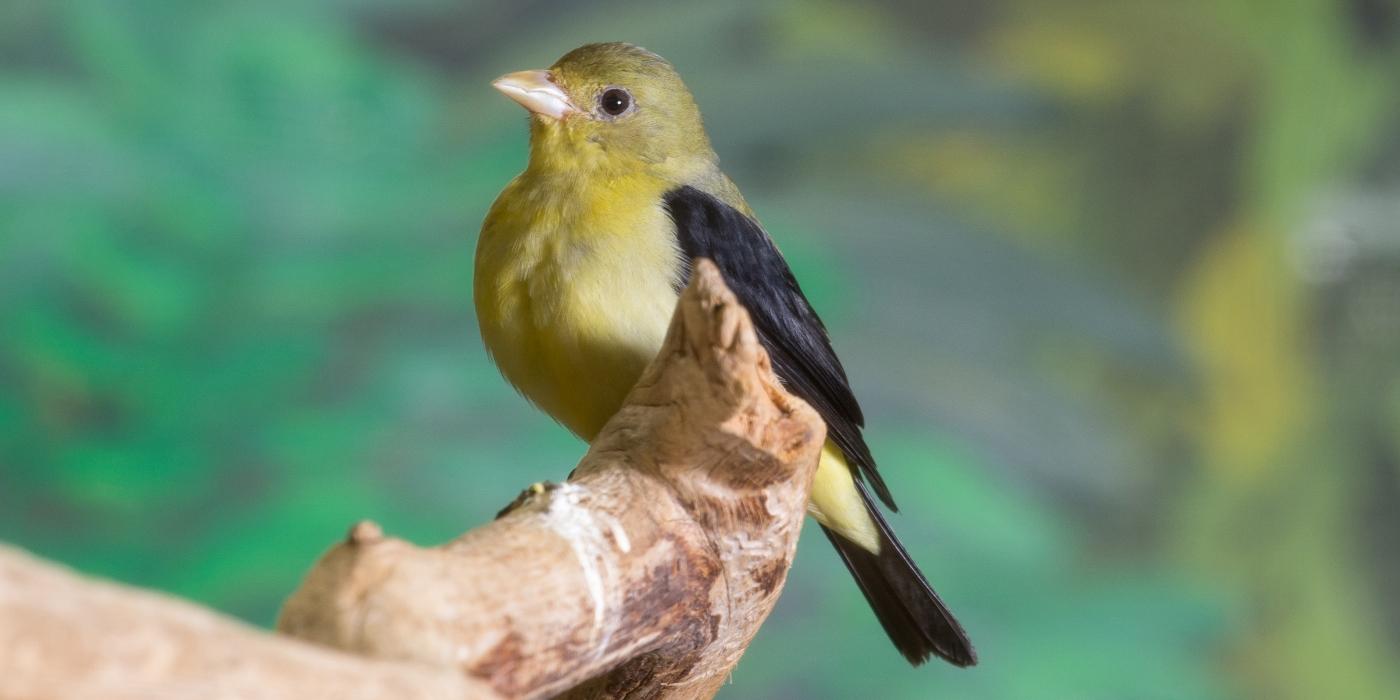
[{"x": 574, "y": 291}]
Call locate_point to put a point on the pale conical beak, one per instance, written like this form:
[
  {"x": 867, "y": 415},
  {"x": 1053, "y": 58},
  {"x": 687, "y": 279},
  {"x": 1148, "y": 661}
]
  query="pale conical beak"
[{"x": 535, "y": 91}]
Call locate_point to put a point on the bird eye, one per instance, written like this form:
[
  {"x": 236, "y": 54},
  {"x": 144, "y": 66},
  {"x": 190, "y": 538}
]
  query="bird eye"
[{"x": 615, "y": 101}]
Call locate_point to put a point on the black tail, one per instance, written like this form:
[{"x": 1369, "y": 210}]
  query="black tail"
[{"x": 916, "y": 620}]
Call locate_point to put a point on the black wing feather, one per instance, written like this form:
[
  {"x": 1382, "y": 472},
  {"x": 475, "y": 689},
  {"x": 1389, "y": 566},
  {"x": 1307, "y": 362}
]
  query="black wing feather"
[{"x": 787, "y": 326}]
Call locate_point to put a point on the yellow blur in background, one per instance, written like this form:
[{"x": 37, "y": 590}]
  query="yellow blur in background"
[{"x": 1118, "y": 284}]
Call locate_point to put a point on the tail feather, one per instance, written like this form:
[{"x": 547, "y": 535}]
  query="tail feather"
[{"x": 912, "y": 614}]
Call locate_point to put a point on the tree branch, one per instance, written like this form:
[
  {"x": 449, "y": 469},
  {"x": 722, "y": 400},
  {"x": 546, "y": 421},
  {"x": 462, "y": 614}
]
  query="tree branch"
[{"x": 646, "y": 574}]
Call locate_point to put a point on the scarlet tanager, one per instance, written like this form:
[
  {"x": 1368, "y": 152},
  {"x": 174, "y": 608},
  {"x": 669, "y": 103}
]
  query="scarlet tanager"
[{"x": 580, "y": 263}]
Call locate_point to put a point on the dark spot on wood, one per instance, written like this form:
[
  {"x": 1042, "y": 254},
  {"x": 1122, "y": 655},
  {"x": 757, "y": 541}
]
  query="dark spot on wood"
[
  {"x": 644, "y": 677},
  {"x": 768, "y": 576},
  {"x": 753, "y": 510},
  {"x": 674, "y": 596},
  {"x": 676, "y": 592},
  {"x": 512, "y": 673},
  {"x": 498, "y": 664},
  {"x": 641, "y": 678},
  {"x": 749, "y": 469},
  {"x": 712, "y": 514}
]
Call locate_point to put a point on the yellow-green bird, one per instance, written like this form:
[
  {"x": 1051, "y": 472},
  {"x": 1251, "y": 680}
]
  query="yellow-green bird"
[{"x": 581, "y": 261}]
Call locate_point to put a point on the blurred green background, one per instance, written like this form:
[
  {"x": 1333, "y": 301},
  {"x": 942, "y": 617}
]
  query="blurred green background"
[{"x": 1118, "y": 283}]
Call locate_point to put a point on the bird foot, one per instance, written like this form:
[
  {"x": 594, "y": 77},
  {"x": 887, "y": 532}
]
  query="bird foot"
[{"x": 535, "y": 490}]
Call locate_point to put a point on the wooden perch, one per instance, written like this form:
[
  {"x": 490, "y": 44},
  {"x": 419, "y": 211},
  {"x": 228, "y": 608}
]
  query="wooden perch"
[
  {"x": 646, "y": 574},
  {"x": 65, "y": 636}
]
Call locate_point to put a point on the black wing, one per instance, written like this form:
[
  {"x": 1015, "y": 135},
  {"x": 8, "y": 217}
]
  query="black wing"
[{"x": 787, "y": 326}]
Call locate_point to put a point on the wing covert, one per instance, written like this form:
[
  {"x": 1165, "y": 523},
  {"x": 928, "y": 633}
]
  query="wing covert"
[{"x": 787, "y": 326}]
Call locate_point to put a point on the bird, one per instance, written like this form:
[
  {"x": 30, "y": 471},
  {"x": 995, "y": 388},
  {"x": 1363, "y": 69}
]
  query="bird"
[{"x": 579, "y": 266}]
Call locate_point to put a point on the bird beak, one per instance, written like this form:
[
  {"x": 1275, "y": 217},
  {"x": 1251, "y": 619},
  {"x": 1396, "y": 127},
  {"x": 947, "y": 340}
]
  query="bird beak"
[{"x": 535, "y": 90}]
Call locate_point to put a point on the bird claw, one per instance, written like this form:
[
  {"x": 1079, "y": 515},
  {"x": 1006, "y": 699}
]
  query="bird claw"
[{"x": 539, "y": 488}]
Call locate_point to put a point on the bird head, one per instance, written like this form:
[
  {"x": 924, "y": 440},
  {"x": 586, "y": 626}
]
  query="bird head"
[{"x": 610, "y": 107}]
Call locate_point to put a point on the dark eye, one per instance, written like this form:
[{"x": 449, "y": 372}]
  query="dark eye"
[{"x": 615, "y": 101}]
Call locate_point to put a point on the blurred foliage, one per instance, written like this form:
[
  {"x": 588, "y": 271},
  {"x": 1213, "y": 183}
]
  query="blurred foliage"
[{"x": 1119, "y": 284}]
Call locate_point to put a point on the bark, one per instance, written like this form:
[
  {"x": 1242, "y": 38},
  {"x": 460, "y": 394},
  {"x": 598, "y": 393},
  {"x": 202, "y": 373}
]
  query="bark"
[
  {"x": 67, "y": 636},
  {"x": 645, "y": 575}
]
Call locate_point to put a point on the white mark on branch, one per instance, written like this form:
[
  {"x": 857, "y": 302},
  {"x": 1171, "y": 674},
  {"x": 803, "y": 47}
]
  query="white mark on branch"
[
  {"x": 619, "y": 534},
  {"x": 578, "y": 525}
]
